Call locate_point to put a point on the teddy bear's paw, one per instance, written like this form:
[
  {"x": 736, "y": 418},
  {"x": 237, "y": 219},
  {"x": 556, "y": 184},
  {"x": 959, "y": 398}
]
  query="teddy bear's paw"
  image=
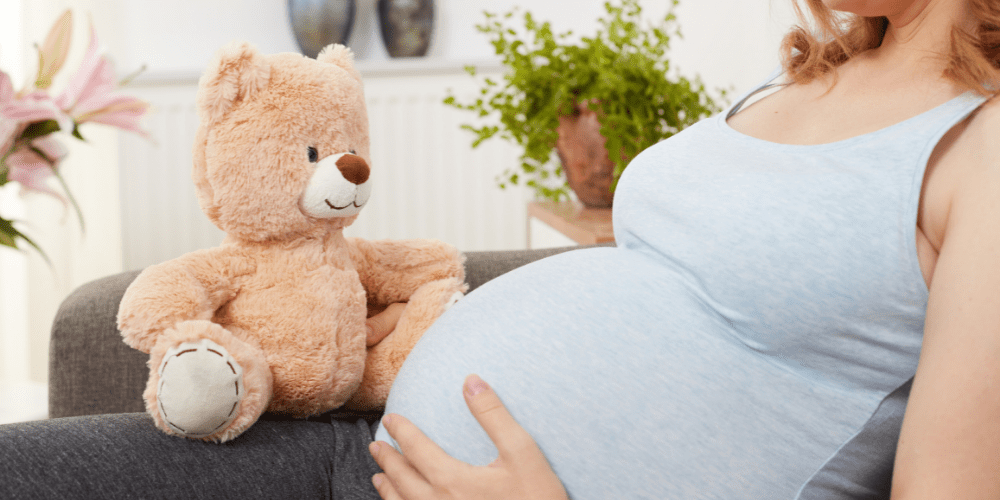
[
  {"x": 200, "y": 388},
  {"x": 453, "y": 300}
]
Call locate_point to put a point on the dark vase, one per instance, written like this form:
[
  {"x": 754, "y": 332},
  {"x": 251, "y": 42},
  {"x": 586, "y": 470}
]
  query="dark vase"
[
  {"x": 318, "y": 23},
  {"x": 406, "y": 26}
]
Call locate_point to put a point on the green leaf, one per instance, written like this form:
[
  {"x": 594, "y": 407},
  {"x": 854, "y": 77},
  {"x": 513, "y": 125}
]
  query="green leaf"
[
  {"x": 8, "y": 233},
  {"x": 9, "y": 236},
  {"x": 39, "y": 129}
]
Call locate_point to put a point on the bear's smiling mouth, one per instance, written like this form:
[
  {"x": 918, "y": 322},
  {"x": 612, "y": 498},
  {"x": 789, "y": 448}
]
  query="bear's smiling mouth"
[{"x": 331, "y": 205}]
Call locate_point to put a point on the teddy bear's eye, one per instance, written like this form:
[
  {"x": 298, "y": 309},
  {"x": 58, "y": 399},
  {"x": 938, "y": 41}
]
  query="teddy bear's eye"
[{"x": 313, "y": 155}]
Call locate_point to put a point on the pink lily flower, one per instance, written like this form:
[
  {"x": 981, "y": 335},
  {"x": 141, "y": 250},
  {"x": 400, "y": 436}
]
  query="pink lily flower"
[
  {"x": 90, "y": 96},
  {"x": 54, "y": 50},
  {"x": 31, "y": 170},
  {"x": 33, "y": 107},
  {"x": 38, "y": 106},
  {"x": 8, "y": 126},
  {"x": 6, "y": 89}
]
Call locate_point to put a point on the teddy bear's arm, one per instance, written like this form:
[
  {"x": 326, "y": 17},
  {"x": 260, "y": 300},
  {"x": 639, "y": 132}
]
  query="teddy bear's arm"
[
  {"x": 392, "y": 270},
  {"x": 189, "y": 287}
]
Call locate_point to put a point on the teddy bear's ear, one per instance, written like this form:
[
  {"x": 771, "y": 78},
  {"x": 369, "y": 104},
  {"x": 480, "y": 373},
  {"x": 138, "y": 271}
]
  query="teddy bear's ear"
[
  {"x": 237, "y": 72},
  {"x": 339, "y": 55}
]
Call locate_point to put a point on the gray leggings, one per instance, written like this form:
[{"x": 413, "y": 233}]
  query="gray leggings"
[{"x": 125, "y": 456}]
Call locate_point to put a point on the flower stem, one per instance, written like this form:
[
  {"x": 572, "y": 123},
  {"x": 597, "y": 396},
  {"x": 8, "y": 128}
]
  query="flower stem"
[{"x": 62, "y": 182}]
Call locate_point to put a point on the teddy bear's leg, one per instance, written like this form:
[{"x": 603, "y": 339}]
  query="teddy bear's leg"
[
  {"x": 205, "y": 383},
  {"x": 385, "y": 358}
]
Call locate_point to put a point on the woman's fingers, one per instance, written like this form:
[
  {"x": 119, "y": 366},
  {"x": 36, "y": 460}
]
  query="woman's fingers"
[
  {"x": 406, "y": 481},
  {"x": 383, "y": 323},
  {"x": 384, "y": 487},
  {"x": 423, "y": 454},
  {"x": 426, "y": 472},
  {"x": 514, "y": 444}
]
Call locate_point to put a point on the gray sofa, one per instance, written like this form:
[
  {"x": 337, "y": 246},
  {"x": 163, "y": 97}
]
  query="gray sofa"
[{"x": 92, "y": 371}]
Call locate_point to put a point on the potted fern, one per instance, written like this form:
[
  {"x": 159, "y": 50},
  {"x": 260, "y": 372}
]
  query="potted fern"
[{"x": 606, "y": 93}]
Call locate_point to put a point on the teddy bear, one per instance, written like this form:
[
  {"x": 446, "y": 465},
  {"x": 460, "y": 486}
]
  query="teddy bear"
[{"x": 273, "y": 319}]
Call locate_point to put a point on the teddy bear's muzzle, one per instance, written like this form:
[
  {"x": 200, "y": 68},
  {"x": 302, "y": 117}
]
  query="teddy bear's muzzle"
[{"x": 339, "y": 187}]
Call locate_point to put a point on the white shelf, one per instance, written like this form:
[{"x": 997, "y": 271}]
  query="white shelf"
[{"x": 372, "y": 68}]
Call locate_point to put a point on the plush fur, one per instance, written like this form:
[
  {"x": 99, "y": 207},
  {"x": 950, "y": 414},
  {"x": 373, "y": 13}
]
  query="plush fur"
[{"x": 282, "y": 165}]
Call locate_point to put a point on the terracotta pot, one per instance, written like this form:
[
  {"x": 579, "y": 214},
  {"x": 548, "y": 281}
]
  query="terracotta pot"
[{"x": 588, "y": 169}]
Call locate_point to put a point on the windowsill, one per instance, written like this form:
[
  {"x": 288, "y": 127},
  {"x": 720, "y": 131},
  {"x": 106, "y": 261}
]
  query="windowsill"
[{"x": 23, "y": 401}]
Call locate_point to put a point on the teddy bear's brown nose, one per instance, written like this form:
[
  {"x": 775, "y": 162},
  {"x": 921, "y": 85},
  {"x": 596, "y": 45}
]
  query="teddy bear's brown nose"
[{"x": 353, "y": 168}]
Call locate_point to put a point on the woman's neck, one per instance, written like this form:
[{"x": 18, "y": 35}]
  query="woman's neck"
[{"x": 918, "y": 38}]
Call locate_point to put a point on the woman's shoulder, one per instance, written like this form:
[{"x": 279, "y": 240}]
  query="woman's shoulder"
[
  {"x": 979, "y": 145},
  {"x": 987, "y": 118},
  {"x": 964, "y": 168}
]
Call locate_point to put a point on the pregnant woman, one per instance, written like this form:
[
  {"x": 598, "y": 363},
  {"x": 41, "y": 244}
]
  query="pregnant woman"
[{"x": 782, "y": 273}]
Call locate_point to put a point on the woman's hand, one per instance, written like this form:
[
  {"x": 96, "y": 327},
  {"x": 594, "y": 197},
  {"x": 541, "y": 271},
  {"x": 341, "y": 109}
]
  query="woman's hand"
[
  {"x": 383, "y": 323},
  {"x": 427, "y": 472}
]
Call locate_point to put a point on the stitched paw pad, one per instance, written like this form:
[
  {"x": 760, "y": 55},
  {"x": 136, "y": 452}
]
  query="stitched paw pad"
[{"x": 200, "y": 388}]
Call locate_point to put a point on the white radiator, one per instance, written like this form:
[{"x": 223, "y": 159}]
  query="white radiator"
[{"x": 429, "y": 182}]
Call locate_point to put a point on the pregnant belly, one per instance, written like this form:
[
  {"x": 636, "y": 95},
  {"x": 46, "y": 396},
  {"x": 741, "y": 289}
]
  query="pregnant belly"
[{"x": 624, "y": 377}]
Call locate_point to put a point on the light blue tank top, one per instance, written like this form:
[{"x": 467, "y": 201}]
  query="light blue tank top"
[{"x": 752, "y": 336}]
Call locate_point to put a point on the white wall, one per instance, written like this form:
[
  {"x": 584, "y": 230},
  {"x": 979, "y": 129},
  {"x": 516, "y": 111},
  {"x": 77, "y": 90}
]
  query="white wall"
[
  {"x": 180, "y": 36},
  {"x": 730, "y": 43},
  {"x": 14, "y": 348}
]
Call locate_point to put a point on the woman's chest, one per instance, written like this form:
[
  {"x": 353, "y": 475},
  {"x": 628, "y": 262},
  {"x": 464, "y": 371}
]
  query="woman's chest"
[{"x": 797, "y": 116}]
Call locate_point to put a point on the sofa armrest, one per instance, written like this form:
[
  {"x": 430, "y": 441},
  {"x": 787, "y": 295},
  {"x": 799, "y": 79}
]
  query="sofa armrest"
[{"x": 92, "y": 371}]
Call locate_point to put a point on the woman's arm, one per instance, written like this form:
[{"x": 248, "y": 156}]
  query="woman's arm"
[
  {"x": 949, "y": 446},
  {"x": 426, "y": 472}
]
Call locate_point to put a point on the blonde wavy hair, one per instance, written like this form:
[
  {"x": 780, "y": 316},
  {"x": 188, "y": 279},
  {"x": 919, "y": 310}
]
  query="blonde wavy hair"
[{"x": 973, "y": 61}]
